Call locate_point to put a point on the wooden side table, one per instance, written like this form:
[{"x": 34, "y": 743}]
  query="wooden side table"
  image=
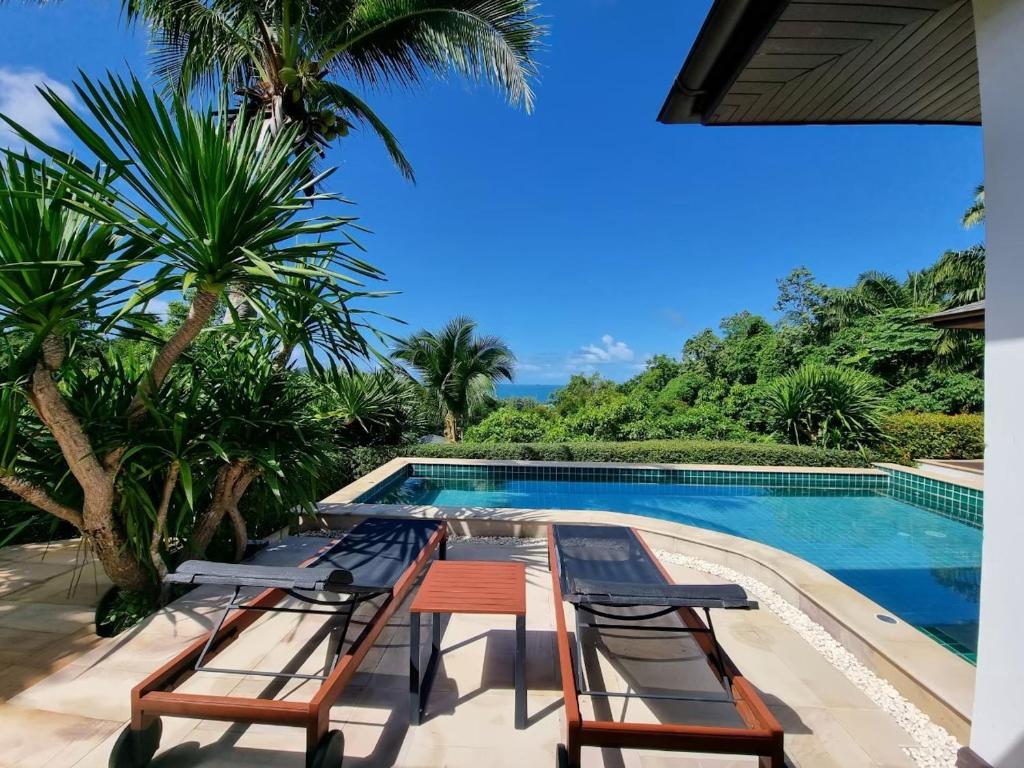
[{"x": 466, "y": 586}]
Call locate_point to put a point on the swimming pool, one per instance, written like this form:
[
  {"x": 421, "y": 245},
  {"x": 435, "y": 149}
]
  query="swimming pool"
[{"x": 920, "y": 565}]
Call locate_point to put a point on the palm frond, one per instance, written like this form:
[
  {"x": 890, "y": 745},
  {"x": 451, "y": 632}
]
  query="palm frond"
[
  {"x": 328, "y": 95},
  {"x": 398, "y": 40},
  {"x": 975, "y": 215}
]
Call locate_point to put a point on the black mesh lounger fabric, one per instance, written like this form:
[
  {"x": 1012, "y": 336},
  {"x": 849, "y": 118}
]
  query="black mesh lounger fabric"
[
  {"x": 321, "y": 579},
  {"x": 368, "y": 559},
  {"x": 378, "y": 550},
  {"x": 607, "y": 565}
]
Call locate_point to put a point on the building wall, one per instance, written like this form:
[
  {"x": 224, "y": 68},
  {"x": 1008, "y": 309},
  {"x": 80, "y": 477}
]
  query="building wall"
[{"x": 998, "y": 723}]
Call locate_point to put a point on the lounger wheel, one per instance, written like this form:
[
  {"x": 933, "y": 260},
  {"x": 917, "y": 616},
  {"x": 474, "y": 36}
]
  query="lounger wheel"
[
  {"x": 328, "y": 752},
  {"x": 134, "y": 749},
  {"x": 561, "y": 756}
]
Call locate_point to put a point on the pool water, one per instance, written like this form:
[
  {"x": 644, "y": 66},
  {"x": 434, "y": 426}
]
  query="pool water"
[{"x": 922, "y": 567}]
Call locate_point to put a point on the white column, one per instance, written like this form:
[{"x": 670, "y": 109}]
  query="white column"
[{"x": 998, "y": 722}]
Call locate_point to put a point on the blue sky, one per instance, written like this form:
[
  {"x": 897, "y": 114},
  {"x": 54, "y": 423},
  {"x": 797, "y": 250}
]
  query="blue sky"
[{"x": 586, "y": 234}]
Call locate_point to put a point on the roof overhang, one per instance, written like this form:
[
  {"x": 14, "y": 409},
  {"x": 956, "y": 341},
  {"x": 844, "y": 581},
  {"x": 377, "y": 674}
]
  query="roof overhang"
[
  {"x": 970, "y": 316},
  {"x": 782, "y": 62}
]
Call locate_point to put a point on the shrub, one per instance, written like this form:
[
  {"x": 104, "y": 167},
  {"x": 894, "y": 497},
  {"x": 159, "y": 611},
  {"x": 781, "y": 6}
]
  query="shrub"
[
  {"x": 353, "y": 463},
  {"x": 510, "y": 425},
  {"x": 826, "y": 405},
  {"x": 911, "y": 436},
  {"x": 649, "y": 451}
]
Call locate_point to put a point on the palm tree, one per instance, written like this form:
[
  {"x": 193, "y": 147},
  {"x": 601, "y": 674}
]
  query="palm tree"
[
  {"x": 184, "y": 194},
  {"x": 457, "y": 368},
  {"x": 377, "y": 408},
  {"x": 975, "y": 215},
  {"x": 290, "y": 59},
  {"x": 875, "y": 292}
]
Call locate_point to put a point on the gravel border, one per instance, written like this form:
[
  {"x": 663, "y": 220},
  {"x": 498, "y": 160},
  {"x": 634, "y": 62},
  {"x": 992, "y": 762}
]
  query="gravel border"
[{"x": 936, "y": 747}]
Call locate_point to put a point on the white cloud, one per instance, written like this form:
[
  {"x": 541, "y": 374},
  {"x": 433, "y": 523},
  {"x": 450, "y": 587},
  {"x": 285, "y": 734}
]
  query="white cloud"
[
  {"x": 609, "y": 351},
  {"x": 20, "y": 101}
]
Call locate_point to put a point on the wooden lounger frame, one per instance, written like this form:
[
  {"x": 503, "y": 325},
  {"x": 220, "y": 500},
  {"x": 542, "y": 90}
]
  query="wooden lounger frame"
[
  {"x": 762, "y": 737},
  {"x": 156, "y": 695}
]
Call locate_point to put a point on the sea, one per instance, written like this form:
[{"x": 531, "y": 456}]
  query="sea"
[{"x": 540, "y": 392}]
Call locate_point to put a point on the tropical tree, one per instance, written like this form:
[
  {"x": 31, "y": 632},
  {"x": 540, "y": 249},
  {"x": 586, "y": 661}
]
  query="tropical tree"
[
  {"x": 457, "y": 368},
  {"x": 875, "y": 292},
  {"x": 182, "y": 203},
  {"x": 382, "y": 407},
  {"x": 291, "y": 60},
  {"x": 975, "y": 215},
  {"x": 826, "y": 405}
]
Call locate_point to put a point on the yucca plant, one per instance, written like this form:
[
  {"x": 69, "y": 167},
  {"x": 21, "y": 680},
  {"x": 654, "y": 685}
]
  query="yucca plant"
[
  {"x": 828, "y": 406},
  {"x": 258, "y": 421},
  {"x": 377, "y": 408},
  {"x": 457, "y": 368},
  {"x": 202, "y": 204}
]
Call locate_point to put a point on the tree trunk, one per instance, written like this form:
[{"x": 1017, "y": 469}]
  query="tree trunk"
[
  {"x": 198, "y": 315},
  {"x": 111, "y": 548},
  {"x": 239, "y": 305},
  {"x": 155, "y": 555},
  {"x": 239, "y": 532},
  {"x": 451, "y": 428},
  {"x": 99, "y": 526},
  {"x": 284, "y": 356},
  {"x": 232, "y": 482}
]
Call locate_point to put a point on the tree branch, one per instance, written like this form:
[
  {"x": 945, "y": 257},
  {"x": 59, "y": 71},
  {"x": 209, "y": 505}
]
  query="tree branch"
[
  {"x": 284, "y": 355},
  {"x": 170, "y": 481},
  {"x": 54, "y": 412},
  {"x": 39, "y": 498},
  {"x": 199, "y": 314}
]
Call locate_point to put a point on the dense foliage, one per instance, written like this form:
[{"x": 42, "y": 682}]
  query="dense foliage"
[
  {"x": 157, "y": 441},
  {"x": 831, "y": 373},
  {"x": 650, "y": 451}
]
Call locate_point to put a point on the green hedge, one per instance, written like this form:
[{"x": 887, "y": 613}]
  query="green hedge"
[
  {"x": 911, "y": 436},
  {"x": 651, "y": 451},
  {"x": 359, "y": 461}
]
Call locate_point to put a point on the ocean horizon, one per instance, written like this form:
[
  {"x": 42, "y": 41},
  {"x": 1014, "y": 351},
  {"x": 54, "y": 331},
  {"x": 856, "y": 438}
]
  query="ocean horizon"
[{"x": 540, "y": 392}]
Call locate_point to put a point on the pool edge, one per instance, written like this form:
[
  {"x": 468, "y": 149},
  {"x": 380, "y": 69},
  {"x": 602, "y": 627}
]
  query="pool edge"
[{"x": 935, "y": 679}]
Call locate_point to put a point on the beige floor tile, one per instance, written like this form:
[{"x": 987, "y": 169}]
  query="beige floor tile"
[
  {"x": 30, "y": 738},
  {"x": 16, "y": 576},
  {"x": 68, "y": 587},
  {"x": 470, "y": 710},
  {"x": 44, "y": 617}
]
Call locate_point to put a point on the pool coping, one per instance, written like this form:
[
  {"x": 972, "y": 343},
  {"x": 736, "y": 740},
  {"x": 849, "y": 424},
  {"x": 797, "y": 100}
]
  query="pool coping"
[
  {"x": 974, "y": 482},
  {"x": 934, "y": 678}
]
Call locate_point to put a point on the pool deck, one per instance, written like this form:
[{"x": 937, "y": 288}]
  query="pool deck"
[
  {"x": 72, "y": 717},
  {"x": 48, "y": 595},
  {"x": 933, "y": 678}
]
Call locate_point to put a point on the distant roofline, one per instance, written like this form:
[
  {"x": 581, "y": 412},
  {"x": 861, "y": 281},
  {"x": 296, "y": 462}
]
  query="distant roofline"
[{"x": 969, "y": 316}]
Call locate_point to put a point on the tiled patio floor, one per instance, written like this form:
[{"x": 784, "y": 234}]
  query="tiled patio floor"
[
  {"x": 72, "y": 717},
  {"x": 48, "y": 593}
]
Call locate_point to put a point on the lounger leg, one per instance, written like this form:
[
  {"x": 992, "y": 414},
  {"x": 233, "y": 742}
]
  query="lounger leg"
[
  {"x": 777, "y": 759},
  {"x": 573, "y": 748},
  {"x": 435, "y": 650},
  {"x": 520, "y": 662},
  {"x": 415, "y": 707}
]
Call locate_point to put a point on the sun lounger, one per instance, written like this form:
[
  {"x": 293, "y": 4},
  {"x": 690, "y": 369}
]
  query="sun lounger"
[
  {"x": 377, "y": 561},
  {"x": 632, "y": 622}
]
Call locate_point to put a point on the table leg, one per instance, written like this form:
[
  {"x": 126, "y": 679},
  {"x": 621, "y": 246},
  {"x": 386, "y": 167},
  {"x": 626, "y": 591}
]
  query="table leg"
[
  {"x": 436, "y": 650},
  {"x": 415, "y": 708},
  {"x": 520, "y": 663}
]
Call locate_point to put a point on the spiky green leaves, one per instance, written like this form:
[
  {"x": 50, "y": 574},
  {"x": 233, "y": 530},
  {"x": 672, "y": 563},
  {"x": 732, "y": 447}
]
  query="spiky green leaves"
[{"x": 828, "y": 406}]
